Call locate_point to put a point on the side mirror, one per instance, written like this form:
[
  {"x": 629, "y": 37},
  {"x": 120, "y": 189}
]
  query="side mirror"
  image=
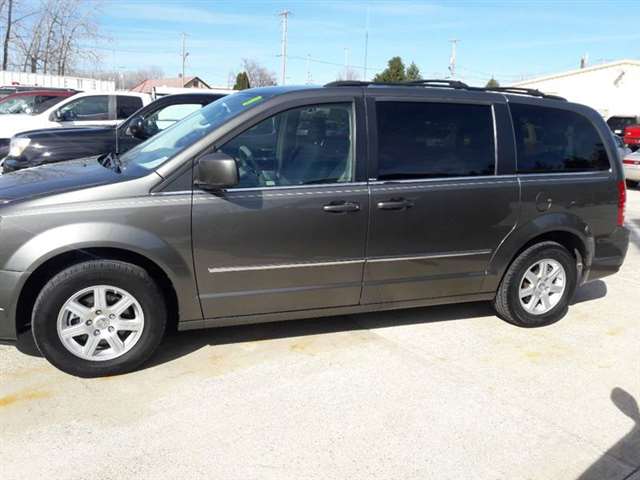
[
  {"x": 57, "y": 116},
  {"x": 216, "y": 171},
  {"x": 136, "y": 128}
]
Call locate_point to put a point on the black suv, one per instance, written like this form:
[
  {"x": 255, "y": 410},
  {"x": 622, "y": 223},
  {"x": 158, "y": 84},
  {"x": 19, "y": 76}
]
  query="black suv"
[
  {"x": 49, "y": 145},
  {"x": 291, "y": 202}
]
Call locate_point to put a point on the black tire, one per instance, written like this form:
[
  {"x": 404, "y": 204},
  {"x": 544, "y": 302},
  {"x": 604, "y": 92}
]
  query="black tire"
[
  {"x": 65, "y": 284},
  {"x": 507, "y": 301},
  {"x": 632, "y": 183}
]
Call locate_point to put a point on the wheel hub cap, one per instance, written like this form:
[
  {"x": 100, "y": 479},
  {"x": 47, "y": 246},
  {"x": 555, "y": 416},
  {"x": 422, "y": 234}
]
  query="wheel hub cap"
[
  {"x": 100, "y": 323},
  {"x": 542, "y": 286}
]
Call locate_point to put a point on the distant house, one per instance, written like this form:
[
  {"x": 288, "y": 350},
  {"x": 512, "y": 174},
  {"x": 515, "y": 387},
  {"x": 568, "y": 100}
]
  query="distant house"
[{"x": 147, "y": 86}]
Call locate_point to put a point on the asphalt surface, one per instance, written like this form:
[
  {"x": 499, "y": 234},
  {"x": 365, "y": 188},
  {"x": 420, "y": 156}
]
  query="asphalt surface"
[{"x": 444, "y": 392}]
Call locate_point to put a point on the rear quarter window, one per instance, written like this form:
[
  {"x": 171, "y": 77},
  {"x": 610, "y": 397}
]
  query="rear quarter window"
[
  {"x": 127, "y": 106},
  {"x": 551, "y": 140}
]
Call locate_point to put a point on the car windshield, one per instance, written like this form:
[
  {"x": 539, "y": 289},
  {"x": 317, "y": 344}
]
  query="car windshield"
[{"x": 176, "y": 138}]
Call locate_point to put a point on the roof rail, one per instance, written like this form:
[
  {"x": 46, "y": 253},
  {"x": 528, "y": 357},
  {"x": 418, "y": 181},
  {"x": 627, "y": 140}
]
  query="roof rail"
[
  {"x": 534, "y": 92},
  {"x": 437, "y": 83}
]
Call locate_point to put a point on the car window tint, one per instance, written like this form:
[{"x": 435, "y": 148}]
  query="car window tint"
[
  {"x": 303, "y": 146},
  {"x": 127, "y": 106},
  {"x": 94, "y": 107},
  {"x": 432, "y": 140},
  {"x": 556, "y": 140}
]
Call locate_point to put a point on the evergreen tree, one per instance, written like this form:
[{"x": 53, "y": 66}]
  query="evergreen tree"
[
  {"x": 395, "y": 72},
  {"x": 493, "y": 83},
  {"x": 242, "y": 81},
  {"x": 413, "y": 72}
]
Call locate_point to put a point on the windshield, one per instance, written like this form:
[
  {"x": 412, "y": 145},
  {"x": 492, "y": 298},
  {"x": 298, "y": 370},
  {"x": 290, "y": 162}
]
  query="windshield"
[
  {"x": 28, "y": 104},
  {"x": 168, "y": 143}
]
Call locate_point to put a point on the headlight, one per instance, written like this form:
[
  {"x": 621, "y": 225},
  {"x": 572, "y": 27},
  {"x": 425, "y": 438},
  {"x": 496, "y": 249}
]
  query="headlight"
[{"x": 18, "y": 145}]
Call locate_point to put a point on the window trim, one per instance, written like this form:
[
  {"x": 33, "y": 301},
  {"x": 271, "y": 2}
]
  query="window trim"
[{"x": 372, "y": 120}]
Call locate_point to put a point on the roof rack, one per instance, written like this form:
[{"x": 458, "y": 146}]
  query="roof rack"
[{"x": 455, "y": 84}]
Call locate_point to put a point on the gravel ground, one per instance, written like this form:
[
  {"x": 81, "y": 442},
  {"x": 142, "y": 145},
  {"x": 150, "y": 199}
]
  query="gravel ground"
[{"x": 444, "y": 392}]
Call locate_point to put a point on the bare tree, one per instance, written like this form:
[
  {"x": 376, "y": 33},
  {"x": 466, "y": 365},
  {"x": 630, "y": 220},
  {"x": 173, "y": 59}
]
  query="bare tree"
[
  {"x": 259, "y": 76},
  {"x": 52, "y": 38},
  {"x": 7, "y": 35},
  {"x": 130, "y": 78}
]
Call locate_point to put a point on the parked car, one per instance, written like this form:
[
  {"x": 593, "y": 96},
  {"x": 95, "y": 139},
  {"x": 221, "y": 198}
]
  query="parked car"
[
  {"x": 81, "y": 109},
  {"x": 291, "y": 202},
  {"x": 623, "y": 150},
  {"x": 32, "y": 101},
  {"x": 631, "y": 163},
  {"x": 6, "y": 90},
  {"x": 618, "y": 123},
  {"x": 37, "y": 147},
  {"x": 632, "y": 136}
]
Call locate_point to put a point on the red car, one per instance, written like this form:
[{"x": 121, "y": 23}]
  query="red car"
[
  {"x": 632, "y": 136},
  {"x": 32, "y": 101}
]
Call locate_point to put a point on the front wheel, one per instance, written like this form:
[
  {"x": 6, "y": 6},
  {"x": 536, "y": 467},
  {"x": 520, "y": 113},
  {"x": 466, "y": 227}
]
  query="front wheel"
[
  {"x": 97, "y": 318},
  {"x": 538, "y": 286}
]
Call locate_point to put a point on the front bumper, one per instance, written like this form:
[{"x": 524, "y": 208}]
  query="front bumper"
[{"x": 10, "y": 283}]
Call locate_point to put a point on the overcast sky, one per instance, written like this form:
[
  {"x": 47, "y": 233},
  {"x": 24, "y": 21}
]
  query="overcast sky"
[{"x": 503, "y": 39}]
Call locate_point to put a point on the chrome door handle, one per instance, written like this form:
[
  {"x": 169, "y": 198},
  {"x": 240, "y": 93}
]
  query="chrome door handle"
[
  {"x": 341, "y": 207},
  {"x": 395, "y": 204}
]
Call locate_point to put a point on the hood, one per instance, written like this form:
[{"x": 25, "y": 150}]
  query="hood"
[
  {"x": 55, "y": 178},
  {"x": 10, "y": 123}
]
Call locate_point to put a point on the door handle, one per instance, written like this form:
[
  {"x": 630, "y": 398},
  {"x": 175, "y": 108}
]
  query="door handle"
[
  {"x": 395, "y": 204},
  {"x": 341, "y": 207}
]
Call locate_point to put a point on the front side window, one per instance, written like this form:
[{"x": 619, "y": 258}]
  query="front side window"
[
  {"x": 304, "y": 146},
  {"x": 86, "y": 108},
  {"x": 434, "y": 140},
  {"x": 552, "y": 140}
]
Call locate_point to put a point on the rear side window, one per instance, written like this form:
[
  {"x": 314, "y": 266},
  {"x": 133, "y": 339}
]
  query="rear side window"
[
  {"x": 431, "y": 140},
  {"x": 552, "y": 140},
  {"x": 127, "y": 106}
]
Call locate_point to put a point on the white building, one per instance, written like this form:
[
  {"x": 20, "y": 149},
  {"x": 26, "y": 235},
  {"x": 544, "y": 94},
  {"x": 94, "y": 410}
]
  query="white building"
[
  {"x": 56, "y": 81},
  {"x": 610, "y": 88}
]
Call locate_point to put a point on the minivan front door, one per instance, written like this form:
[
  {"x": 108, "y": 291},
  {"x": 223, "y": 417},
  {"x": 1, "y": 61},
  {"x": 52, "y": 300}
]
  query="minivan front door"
[
  {"x": 438, "y": 208},
  {"x": 291, "y": 236}
]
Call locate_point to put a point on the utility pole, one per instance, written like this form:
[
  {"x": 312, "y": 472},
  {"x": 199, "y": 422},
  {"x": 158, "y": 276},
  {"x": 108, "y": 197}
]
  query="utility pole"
[
  {"x": 184, "y": 55},
  {"x": 285, "y": 16},
  {"x": 346, "y": 63},
  {"x": 452, "y": 59},
  {"x": 309, "y": 80},
  {"x": 366, "y": 47}
]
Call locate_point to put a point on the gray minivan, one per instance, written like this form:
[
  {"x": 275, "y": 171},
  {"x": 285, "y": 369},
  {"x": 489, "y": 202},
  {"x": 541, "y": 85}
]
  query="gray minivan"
[{"x": 291, "y": 202}]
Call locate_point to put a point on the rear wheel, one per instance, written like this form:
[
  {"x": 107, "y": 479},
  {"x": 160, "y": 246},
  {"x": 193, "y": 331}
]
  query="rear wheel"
[
  {"x": 537, "y": 287},
  {"x": 98, "y": 318}
]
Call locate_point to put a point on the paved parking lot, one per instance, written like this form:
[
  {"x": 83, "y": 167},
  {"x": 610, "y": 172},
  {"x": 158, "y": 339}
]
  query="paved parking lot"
[{"x": 442, "y": 392}]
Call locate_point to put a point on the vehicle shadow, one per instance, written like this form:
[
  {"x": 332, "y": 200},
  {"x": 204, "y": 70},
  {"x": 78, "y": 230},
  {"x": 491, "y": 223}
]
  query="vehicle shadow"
[
  {"x": 625, "y": 451},
  {"x": 178, "y": 344}
]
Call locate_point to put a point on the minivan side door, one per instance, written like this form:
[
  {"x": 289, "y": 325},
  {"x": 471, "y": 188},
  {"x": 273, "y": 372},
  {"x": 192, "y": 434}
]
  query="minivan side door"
[
  {"x": 443, "y": 193},
  {"x": 291, "y": 235}
]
